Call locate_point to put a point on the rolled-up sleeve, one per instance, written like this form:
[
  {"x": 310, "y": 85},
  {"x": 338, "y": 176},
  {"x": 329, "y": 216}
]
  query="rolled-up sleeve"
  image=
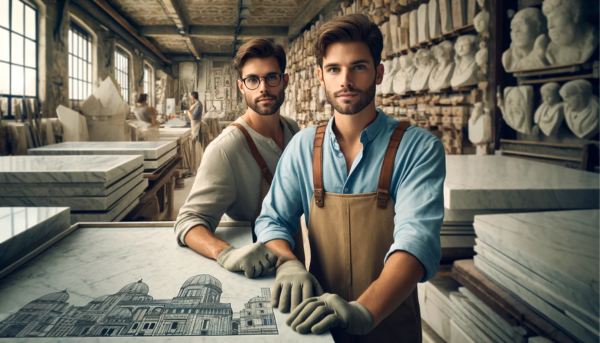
[
  {"x": 282, "y": 207},
  {"x": 214, "y": 190},
  {"x": 420, "y": 208}
]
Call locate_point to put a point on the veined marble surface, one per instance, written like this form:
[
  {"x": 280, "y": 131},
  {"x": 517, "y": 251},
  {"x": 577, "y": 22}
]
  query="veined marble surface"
[
  {"x": 23, "y": 229},
  {"x": 561, "y": 247},
  {"x": 155, "y": 164},
  {"x": 75, "y": 203},
  {"x": 475, "y": 182},
  {"x": 172, "y": 131},
  {"x": 150, "y": 150},
  {"x": 132, "y": 256},
  {"x": 461, "y": 317},
  {"x": 112, "y": 212},
  {"x": 61, "y": 169},
  {"x": 68, "y": 189}
]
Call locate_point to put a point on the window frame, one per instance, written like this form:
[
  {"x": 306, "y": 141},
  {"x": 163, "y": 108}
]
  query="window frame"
[
  {"x": 123, "y": 75},
  {"x": 87, "y": 38},
  {"x": 147, "y": 81},
  {"x": 10, "y": 96}
]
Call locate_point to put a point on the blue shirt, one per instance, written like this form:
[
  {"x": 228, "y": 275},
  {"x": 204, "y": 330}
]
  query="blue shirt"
[
  {"x": 416, "y": 187},
  {"x": 197, "y": 113}
]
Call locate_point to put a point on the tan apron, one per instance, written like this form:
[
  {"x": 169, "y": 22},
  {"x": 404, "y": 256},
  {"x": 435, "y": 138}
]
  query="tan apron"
[
  {"x": 349, "y": 236},
  {"x": 265, "y": 185}
]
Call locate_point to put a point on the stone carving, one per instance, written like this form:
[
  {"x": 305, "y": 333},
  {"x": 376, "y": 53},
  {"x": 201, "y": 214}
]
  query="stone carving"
[
  {"x": 387, "y": 39},
  {"x": 465, "y": 72},
  {"x": 480, "y": 128},
  {"x": 482, "y": 20},
  {"x": 435, "y": 28},
  {"x": 403, "y": 78},
  {"x": 572, "y": 38},
  {"x": 394, "y": 32},
  {"x": 446, "y": 16},
  {"x": 481, "y": 58},
  {"x": 403, "y": 30},
  {"x": 442, "y": 72},
  {"x": 459, "y": 13},
  {"x": 423, "y": 23},
  {"x": 581, "y": 108},
  {"x": 471, "y": 6},
  {"x": 517, "y": 107},
  {"x": 550, "y": 115},
  {"x": 413, "y": 32},
  {"x": 387, "y": 66},
  {"x": 388, "y": 76},
  {"x": 424, "y": 62},
  {"x": 529, "y": 41}
]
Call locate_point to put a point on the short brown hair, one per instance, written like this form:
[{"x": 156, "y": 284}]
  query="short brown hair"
[
  {"x": 349, "y": 28},
  {"x": 142, "y": 98},
  {"x": 259, "y": 48},
  {"x": 194, "y": 95}
]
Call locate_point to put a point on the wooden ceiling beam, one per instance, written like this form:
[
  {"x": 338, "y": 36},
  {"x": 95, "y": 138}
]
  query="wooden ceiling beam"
[
  {"x": 209, "y": 31},
  {"x": 310, "y": 10}
]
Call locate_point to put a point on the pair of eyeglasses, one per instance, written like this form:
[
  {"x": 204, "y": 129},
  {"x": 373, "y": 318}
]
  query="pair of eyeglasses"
[{"x": 253, "y": 82}]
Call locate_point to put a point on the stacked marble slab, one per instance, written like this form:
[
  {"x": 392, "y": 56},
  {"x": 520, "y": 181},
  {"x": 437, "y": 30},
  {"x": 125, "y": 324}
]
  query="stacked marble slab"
[
  {"x": 23, "y": 229},
  {"x": 96, "y": 188},
  {"x": 549, "y": 260},
  {"x": 435, "y": 304},
  {"x": 477, "y": 185},
  {"x": 155, "y": 154},
  {"x": 103, "y": 284}
]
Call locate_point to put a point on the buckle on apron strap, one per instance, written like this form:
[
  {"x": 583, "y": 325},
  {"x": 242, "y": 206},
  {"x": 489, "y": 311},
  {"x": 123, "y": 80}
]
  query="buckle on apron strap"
[
  {"x": 319, "y": 197},
  {"x": 382, "y": 198}
]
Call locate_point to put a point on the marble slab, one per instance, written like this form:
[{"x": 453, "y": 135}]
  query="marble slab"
[
  {"x": 460, "y": 317},
  {"x": 75, "y": 203},
  {"x": 582, "y": 307},
  {"x": 74, "y": 125},
  {"x": 155, "y": 164},
  {"x": 136, "y": 275},
  {"x": 23, "y": 229},
  {"x": 442, "y": 286},
  {"x": 61, "y": 169},
  {"x": 475, "y": 182},
  {"x": 432, "y": 314},
  {"x": 568, "y": 324},
  {"x": 112, "y": 213},
  {"x": 467, "y": 217},
  {"x": 68, "y": 189},
  {"x": 150, "y": 150},
  {"x": 458, "y": 335},
  {"x": 483, "y": 322},
  {"x": 561, "y": 247}
]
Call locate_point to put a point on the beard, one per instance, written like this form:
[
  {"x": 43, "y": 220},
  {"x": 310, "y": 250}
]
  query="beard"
[
  {"x": 354, "y": 104},
  {"x": 267, "y": 109}
]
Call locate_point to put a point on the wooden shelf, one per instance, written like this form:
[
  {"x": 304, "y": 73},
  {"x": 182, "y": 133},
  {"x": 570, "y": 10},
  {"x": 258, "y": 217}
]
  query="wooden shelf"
[
  {"x": 436, "y": 40},
  {"x": 558, "y": 73}
]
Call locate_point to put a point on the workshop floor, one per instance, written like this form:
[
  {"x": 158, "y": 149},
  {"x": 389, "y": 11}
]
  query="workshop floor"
[{"x": 181, "y": 195}]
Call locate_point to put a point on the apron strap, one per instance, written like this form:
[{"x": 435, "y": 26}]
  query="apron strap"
[
  {"x": 257, "y": 156},
  {"x": 318, "y": 165},
  {"x": 385, "y": 177},
  {"x": 287, "y": 123}
]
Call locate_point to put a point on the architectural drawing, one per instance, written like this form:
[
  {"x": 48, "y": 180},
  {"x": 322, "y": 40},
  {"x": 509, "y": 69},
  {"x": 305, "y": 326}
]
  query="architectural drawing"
[{"x": 196, "y": 310}]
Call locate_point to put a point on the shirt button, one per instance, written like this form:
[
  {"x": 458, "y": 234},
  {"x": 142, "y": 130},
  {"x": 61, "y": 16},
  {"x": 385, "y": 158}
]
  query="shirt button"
[
  {"x": 346, "y": 190},
  {"x": 340, "y": 155}
]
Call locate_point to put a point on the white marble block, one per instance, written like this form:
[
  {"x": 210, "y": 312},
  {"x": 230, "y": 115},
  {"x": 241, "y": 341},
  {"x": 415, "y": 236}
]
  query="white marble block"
[
  {"x": 414, "y": 28},
  {"x": 458, "y": 335},
  {"x": 461, "y": 317},
  {"x": 508, "y": 183},
  {"x": 105, "y": 102},
  {"x": 423, "y": 21},
  {"x": 517, "y": 108},
  {"x": 435, "y": 28},
  {"x": 133, "y": 276},
  {"x": 459, "y": 13},
  {"x": 573, "y": 39},
  {"x": 446, "y": 16},
  {"x": 581, "y": 108},
  {"x": 74, "y": 125},
  {"x": 23, "y": 229},
  {"x": 150, "y": 150},
  {"x": 551, "y": 113}
]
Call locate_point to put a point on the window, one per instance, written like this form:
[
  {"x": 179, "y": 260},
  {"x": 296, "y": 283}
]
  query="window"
[
  {"x": 80, "y": 65},
  {"x": 146, "y": 326},
  {"x": 205, "y": 324},
  {"x": 147, "y": 90},
  {"x": 135, "y": 326},
  {"x": 249, "y": 323},
  {"x": 18, "y": 53},
  {"x": 152, "y": 326},
  {"x": 174, "y": 326},
  {"x": 122, "y": 72}
]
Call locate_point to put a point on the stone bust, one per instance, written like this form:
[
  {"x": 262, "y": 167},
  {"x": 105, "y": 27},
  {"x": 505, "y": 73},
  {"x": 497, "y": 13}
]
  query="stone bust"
[
  {"x": 581, "y": 108},
  {"x": 480, "y": 127},
  {"x": 387, "y": 86},
  {"x": 387, "y": 67},
  {"x": 516, "y": 107},
  {"x": 442, "y": 72},
  {"x": 572, "y": 38},
  {"x": 529, "y": 41},
  {"x": 465, "y": 72},
  {"x": 550, "y": 115},
  {"x": 403, "y": 77},
  {"x": 424, "y": 62}
]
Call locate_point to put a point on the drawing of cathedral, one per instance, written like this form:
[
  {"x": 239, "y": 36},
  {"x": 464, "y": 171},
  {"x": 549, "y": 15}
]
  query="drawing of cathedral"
[{"x": 196, "y": 310}]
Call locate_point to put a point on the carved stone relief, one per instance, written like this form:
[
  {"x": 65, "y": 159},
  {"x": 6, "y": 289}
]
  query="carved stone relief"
[
  {"x": 517, "y": 107},
  {"x": 581, "y": 108}
]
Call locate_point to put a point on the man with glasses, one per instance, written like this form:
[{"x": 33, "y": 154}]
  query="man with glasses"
[{"x": 238, "y": 166}]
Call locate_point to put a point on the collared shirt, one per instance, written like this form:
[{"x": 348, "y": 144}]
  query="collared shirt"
[
  {"x": 416, "y": 187},
  {"x": 229, "y": 179},
  {"x": 197, "y": 112}
]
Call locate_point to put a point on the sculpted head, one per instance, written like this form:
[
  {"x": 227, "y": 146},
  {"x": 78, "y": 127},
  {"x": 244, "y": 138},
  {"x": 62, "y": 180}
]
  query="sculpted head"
[
  {"x": 563, "y": 18},
  {"x": 443, "y": 52},
  {"x": 576, "y": 94},
  {"x": 406, "y": 61},
  {"x": 422, "y": 58},
  {"x": 550, "y": 94},
  {"x": 526, "y": 26},
  {"x": 465, "y": 45},
  {"x": 515, "y": 103}
]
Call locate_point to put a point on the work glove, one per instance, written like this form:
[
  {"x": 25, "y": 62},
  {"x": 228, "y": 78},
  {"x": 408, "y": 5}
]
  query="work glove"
[
  {"x": 254, "y": 259},
  {"x": 329, "y": 311},
  {"x": 293, "y": 284}
]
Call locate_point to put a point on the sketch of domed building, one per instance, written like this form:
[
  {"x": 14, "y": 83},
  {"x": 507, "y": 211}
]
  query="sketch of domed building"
[{"x": 196, "y": 310}]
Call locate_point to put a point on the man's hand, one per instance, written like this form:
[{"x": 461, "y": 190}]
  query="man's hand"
[
  {"x": 293, "y": 284},
  {"x": 330, "y": 311},
  {"x": 254, "y": 259}
]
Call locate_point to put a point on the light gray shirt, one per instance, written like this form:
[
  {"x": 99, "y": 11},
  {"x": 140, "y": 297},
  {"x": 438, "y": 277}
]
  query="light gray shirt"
[{"x": 229, "y": 179}]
